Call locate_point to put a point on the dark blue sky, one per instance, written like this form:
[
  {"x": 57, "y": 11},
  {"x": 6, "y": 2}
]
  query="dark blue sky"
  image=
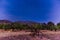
[{"x": 32, "y": 10}]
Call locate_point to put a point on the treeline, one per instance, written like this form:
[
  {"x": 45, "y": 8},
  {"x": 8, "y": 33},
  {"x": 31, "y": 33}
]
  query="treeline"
[{"x": 30, "y": 26}]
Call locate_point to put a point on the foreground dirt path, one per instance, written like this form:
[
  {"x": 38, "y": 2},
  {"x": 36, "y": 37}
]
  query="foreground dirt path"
[
  {"x": 28, "y": 37},
  {"x": 22, "y": 35},
  {"x": 6, "y": 34}
]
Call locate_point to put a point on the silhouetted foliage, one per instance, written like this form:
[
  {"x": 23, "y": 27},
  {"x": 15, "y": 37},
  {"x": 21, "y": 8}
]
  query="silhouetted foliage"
[
  {"x": 50, "y": 25},
  {"x": 58, "y": 25},
  {"x": 44, "y": 26},
  {"x": 33, "y": 26}
]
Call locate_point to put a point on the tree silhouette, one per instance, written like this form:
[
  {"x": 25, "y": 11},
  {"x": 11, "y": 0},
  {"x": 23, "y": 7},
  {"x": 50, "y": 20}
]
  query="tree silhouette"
[
  {"x": 58, "y": 25},
  {"x": 50, "y": 25}
]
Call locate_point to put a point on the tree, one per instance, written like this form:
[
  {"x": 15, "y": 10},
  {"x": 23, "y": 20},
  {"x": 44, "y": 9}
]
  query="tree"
[
  {"x": 58, "y": 25},
  {"x": 5, "y": 26},
  {"x": 39, "y": 26},
  {"x": 17, "y": 26},
  {"x": 44, "y": 26},
  {"x": 50, "y": 25}
]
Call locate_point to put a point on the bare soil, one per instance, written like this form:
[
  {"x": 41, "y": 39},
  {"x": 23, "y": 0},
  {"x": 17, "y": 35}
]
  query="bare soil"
[{"x": 22, "y": 35}]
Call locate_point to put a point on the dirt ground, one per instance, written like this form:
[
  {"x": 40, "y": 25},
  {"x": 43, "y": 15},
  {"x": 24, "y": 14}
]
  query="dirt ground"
[{"x": 22, "y": 35}]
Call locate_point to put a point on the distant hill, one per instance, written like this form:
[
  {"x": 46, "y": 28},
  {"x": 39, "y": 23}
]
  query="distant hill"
[
  {"x": 5, "y": 21},
  {"x": 20, "y": 22},
  {"x": 26, "y": 22}
]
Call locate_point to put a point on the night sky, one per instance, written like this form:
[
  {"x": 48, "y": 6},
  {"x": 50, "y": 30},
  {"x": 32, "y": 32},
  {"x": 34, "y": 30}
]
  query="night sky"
[{"x": 30, "y": 10}]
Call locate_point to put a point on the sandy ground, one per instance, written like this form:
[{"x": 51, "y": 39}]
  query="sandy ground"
[
  {"x": 22, "y": 35},
  {"x": 7, "y": 33}
]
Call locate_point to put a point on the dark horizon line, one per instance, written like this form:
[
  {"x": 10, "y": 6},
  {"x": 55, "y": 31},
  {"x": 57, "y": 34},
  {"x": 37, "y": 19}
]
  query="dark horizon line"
[{"x": 27, "y": 21}]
